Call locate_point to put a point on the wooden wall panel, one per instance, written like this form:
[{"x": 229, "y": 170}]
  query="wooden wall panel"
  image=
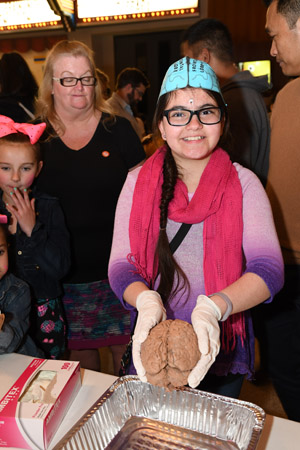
[{"x": 244, "y": 18}]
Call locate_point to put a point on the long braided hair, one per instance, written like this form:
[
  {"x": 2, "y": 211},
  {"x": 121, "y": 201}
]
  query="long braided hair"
[
  {"x": 172, "y": 277},
  {"x": 168, "y": 268}
]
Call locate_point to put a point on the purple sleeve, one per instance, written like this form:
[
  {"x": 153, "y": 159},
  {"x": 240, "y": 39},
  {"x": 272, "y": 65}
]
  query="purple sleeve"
[
  {"x": 260, "y": 242},
  {"x": 121, "y": 272}
]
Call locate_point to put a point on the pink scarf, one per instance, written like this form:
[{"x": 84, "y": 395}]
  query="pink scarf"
[{"x": 217, "y": 201}]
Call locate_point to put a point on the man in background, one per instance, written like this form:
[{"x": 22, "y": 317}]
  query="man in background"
[
  {"x": 282, "y": 319},
  {"x": 209, "y": 40},
  {"x": 130, "y": 88}
]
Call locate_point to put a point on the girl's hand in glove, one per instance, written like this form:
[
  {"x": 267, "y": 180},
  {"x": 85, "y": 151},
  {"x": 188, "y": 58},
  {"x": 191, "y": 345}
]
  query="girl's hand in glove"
[
  {"x": 151, "y": 311},
  {"x": 205, "y": 317}
]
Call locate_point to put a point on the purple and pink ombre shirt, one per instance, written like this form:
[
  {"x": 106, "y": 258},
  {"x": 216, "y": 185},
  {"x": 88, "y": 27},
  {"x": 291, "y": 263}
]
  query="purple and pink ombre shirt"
[{"x": 261, "y": 251}]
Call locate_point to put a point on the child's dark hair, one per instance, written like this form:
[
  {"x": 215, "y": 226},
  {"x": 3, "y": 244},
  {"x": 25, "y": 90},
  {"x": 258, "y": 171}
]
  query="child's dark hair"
[{"x": 20, "y": 138}]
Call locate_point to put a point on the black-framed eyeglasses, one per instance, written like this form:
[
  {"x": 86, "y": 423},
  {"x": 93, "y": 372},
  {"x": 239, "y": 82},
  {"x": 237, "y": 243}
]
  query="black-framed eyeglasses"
[
  {"x": 72, "y": 81},
  {"x": 178, "y": 117}
]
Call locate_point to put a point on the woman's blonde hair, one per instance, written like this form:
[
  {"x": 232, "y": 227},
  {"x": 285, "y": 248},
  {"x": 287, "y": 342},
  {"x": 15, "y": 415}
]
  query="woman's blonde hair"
[{"x": 44, "y": 107}]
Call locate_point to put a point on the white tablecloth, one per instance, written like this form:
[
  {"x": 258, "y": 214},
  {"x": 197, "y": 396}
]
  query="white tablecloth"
[{"x": 278, "y": 434}]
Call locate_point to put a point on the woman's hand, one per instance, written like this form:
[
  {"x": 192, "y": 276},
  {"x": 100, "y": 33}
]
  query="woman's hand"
[
  {"x": 23, "y": 210},
  {"x": 205, "y": 317},
  {"x": 151, "y": 311}
]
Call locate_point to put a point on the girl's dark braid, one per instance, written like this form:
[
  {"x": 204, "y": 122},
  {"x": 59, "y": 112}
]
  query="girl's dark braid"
[
  {"x": 170, "y": 175},
  {"x": 167, "y": 266}
]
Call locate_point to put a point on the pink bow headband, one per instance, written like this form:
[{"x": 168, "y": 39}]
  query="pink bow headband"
[{"x": 8, "y": 126}]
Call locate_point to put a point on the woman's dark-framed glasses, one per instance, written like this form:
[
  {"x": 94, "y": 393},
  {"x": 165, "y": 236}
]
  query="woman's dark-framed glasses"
[
  {"x": 72, "y": 81},
  {"x": 178, "y": 117}
]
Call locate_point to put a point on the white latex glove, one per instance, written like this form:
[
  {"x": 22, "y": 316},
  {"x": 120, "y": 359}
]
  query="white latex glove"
[
  {"x": 205, "y": 317},
  {"x": 151, "y": 311}
]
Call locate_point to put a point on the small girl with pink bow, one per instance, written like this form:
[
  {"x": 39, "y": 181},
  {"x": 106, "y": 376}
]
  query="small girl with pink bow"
[{"x": 39, "y": 240}]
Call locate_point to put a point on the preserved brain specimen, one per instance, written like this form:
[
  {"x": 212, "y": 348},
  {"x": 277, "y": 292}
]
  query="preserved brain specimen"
[{"x": 169, "y": 353}]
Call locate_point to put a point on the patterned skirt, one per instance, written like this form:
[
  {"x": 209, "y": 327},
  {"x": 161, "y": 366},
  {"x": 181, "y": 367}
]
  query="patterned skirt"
[{"x": 95, "y": 317}]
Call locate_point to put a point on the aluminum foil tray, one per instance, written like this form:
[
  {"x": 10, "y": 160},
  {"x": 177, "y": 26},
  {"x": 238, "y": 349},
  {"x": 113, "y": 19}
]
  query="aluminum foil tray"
[{"x": 136, "y": 416}]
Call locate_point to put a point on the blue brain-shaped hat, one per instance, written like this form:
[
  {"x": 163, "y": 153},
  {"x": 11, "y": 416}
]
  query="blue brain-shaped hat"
[{"x": 189, "y": 72}]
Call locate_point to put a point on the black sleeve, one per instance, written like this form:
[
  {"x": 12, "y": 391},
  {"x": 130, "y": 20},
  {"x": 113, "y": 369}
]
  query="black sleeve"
[
  {"x": 49, "y": 244},
  {"x": 130, "y": 146}
]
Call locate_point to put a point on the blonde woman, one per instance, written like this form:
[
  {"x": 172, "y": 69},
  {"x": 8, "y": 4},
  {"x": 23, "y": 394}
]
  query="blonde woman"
[{"x": 87, "y": 155}]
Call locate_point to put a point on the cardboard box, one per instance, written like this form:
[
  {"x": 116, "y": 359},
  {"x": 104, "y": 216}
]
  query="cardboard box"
[{"x": 35, "y": 405}]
